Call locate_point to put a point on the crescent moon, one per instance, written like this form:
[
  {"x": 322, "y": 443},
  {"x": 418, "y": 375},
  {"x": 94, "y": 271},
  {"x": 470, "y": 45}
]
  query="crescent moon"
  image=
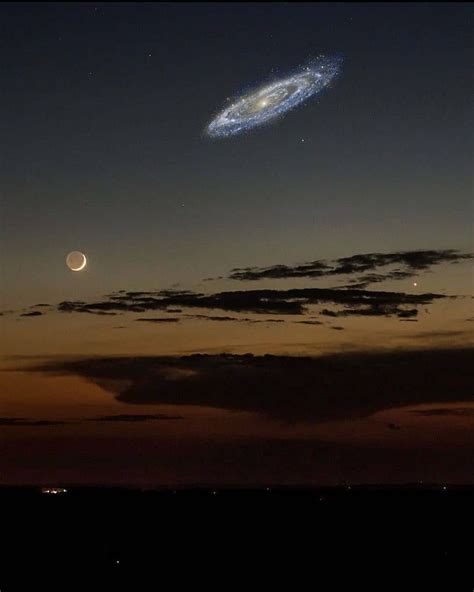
[
  {"x": 82, "y": 266},
  {"x": 76, "y": 261}
]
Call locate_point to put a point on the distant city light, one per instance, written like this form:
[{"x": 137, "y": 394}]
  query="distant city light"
[{"x": 53, "y": 490}]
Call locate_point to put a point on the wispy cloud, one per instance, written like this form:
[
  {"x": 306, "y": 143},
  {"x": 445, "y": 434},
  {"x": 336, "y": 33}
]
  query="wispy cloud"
[
  {"x": 22, "y": 421},
  {"x": 130, "y": 418},
  {"x": 158, "y": 320},
  {"x": 122, "y": 418},
  {"x": 445, "y": 411},
  {"x": 409, "y": 263}
]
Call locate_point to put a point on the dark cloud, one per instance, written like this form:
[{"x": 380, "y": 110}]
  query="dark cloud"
[
  {"x": 375, "y": 278},
  {"x": 26, "y": 422},
  {"x": 332, "y": 387},
  {"x": 445, "y": 411},
  {"x": 440, "y": 334},
  {"x": 22, "y": 421},
  {"x": 98, "y": 308},
  {"x": 374, "y": 310},
  {"x": 35, "y": 313},
  {"x": 213, "y": 318},
  {"x": 411, "y": 263},
  {"x": 412, "y": 260},
  {"x": 137, "y": 294},
  {"x": 313, "y": 269},
  {"x": 278, "y": 302},
  {"x": 159, "y": 320},
  {"x": 406, "y": 314},
  {"x": 232, "y": 319},
  {"x": 136, "y": 418}
]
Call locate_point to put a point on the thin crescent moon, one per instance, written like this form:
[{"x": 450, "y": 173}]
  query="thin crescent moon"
[{"x": 83, "y": 264}]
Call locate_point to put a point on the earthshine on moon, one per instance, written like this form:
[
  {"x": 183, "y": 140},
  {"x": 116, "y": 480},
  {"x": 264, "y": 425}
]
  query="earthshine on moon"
[{"x": 76, "y": 261}]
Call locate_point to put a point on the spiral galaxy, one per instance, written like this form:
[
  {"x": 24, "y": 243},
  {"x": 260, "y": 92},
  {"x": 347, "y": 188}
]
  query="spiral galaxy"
[{"x": 275, "y": 99}]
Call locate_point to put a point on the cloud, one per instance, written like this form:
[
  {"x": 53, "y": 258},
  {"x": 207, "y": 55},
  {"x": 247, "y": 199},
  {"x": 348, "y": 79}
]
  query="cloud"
[
  {"x": 412, "y": 260},
  {"x": 374, "y": 310},
  {"x": 98, "y": 308},
  {"x": 132, "y": 418},
  {"x": 214, "y": 318},
  {"x": 445, "y": 411},
  {"x": 289, "y": 389},
  {"x": 231, "y": 319},
  {"x": 411, "y": 263},
  {"x": 440, "y": 334},
  {"x": 307, "y": 270},
  {"x": 22, "y": 421},
  {"x": 159, "y": 320},
  {"x": 136, "y": 418},
  {"x": 375, "y": 278},
  {"x": 35, "y": 313},
  {"x": 278, "y": 302}
]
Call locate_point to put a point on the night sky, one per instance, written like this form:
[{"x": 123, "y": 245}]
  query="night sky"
[{"x": 326, "y": 253}]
